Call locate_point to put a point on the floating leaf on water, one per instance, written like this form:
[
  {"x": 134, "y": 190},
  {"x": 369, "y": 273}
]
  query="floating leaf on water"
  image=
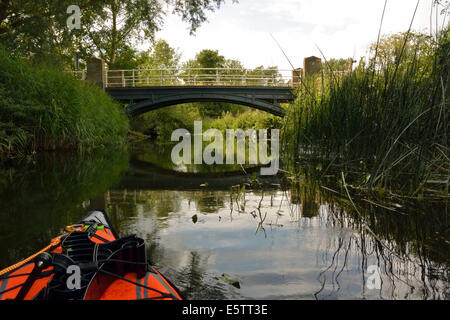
[
  {"x": 194, "y": 218},
  {"x": 226, "y": 278},
  {"x": 276, "y": 225}
]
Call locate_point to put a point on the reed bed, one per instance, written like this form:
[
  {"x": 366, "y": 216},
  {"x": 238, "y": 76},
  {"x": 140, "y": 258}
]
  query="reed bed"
[{"x": 388, "y": 118}]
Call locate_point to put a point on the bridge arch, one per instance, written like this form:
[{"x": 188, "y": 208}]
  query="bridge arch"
[{"x": 159, "y": 102}]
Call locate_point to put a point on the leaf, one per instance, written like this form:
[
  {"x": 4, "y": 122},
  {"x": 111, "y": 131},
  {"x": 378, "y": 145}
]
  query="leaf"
[{"x": 226, "y": 278}]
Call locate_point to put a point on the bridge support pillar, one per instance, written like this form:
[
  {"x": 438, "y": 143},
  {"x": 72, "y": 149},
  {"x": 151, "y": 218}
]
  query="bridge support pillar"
[
  {"x": 96, "y": 72},
  {"x": 297, "y": 75},
  {"x": 311, "y": 65}
]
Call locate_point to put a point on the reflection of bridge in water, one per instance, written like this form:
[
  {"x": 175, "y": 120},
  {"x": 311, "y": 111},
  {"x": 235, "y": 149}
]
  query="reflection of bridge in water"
[
  {"x": 143, "y": 175},
  {"x": 147, "y": 176}
]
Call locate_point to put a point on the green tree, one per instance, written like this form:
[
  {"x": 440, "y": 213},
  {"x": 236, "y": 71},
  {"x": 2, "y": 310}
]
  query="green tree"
[
  {"x": 206, "y": 60},
  {"x": 161, "y": 63},
  {"x": 335, "y": 64},
  {"x": 36, "y": 28},
  {"x": 108, "y": 27},
  {"x": 210, "y": 60},
  {"x": 161, "y": 55},
  {"x": 263, "y": 76},
  {"x": 402, "y": 49}
]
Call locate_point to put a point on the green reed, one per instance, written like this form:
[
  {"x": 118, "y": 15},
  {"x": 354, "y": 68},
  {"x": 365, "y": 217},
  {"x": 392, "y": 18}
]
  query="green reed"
[{"x": 389, "y": 118}]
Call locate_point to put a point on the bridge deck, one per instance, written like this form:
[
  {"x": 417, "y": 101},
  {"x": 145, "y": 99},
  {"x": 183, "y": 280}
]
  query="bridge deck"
[
  {"x": 136, "y": 94},
  {"x": 144, "y": 99}
]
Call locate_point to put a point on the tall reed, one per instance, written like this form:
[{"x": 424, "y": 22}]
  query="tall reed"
[{"x": 389, "y": 116}]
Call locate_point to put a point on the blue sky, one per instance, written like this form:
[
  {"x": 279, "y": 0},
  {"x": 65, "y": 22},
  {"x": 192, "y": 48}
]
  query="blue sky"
[{"x": 341, "y": 29}]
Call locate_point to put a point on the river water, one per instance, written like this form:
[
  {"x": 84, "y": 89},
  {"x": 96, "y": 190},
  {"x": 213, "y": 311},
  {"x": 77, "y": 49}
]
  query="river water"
[{"x": 225, "y": 233}]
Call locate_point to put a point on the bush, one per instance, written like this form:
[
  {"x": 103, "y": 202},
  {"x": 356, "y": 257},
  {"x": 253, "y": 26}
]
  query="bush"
[{"x": 42, "y": 108}]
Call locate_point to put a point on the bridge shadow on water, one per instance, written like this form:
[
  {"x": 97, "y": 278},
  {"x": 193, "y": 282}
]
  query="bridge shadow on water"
[{"x": 148, "y": 176}]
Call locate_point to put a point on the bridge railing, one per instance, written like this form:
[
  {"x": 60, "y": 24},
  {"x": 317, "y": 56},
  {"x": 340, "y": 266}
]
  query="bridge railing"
[{"x": 198, "y": 77}]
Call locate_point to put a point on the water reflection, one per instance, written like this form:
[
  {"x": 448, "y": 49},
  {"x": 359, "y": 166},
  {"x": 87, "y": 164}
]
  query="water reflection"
[
  {"x": 280, "y": 240},
  {"x": 275, "y": 248},
  {"x": 39, "y": 198}
]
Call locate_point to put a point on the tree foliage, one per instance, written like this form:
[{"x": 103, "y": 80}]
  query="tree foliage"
[
  {"x": 161, "y": 55},
  {"x": 211, "y": 59},
  {"x": 402, "y": 49},
  {"x": 109, "y": 28},
  {"x": 337, "y": 64}
]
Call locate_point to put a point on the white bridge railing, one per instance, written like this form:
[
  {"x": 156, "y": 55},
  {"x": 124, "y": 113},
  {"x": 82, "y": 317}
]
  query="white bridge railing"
[{"x": 195, "y": 77}]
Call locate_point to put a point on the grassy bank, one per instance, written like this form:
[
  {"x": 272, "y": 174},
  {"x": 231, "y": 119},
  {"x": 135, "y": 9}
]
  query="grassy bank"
[
  {"x": 42, "y": 108},
  {"x": 388, "y": 119}
]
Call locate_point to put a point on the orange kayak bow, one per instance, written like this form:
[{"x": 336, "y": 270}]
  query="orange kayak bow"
[{"x": 89, "y": 261}]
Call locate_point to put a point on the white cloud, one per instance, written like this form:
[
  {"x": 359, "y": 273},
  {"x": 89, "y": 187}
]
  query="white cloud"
[{"x": 340, "y": 28}]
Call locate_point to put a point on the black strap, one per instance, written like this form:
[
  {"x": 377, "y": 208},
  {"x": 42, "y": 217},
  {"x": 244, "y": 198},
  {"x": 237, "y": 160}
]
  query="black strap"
[
  {"x": 99, "y": 237},
  {"x": 163, "y": 294},
  {"x": 29, "y": 282}
]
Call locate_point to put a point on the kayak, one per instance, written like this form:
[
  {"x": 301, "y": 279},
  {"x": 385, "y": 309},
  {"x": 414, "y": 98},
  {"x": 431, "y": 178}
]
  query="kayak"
[{"x": 88, "y": 261}]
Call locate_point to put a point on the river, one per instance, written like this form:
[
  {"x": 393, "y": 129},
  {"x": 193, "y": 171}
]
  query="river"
[{"x": 227, "y": 233}]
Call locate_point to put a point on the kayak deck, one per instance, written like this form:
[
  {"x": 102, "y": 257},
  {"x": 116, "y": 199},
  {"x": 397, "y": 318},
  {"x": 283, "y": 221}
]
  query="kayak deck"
[{"x": 88, "y": 262}]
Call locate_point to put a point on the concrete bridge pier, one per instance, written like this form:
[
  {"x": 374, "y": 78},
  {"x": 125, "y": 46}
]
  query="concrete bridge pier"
[
  {"x": 311, "y": 65},
  {"x": 95, "y": 72}
]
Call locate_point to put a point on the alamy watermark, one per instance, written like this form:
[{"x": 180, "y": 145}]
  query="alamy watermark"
[
  {"x": 235, "y": 145},
  {"x": 74, "y": 20},
  {"x": 374, "y": 280},
  {"x": 74, "y": 280}
]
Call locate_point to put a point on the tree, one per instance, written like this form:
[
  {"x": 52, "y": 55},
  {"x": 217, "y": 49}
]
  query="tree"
[
  {"x": 402, "y": 49},
  {"x": 35, "y": 28},
  {"x": 210, "y": 60},
  {"x": 108, "y": 27},
  {"x": 205, "y": 59},
  {"x": 161, "y": 55},
  {"x": 160, "y": 63},
  {"x": 261, "y": 76},
  {"x": 334, "y": 64}
]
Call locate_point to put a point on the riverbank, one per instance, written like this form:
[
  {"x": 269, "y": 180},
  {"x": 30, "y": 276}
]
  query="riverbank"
[{"x": 44, "y": 109}]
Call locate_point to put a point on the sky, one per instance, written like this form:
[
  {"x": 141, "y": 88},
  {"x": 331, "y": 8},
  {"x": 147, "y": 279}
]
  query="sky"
[{"x": 341, "y": 29}]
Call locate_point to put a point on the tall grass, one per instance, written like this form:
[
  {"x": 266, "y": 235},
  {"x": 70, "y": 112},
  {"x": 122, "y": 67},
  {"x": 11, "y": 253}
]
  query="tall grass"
[
  {"x": 389, "y": 116},
  {"x": 42, "y": 108}
]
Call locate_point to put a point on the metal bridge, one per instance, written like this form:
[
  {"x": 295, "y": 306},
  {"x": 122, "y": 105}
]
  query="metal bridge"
[{"x": 144, "y": 90}]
